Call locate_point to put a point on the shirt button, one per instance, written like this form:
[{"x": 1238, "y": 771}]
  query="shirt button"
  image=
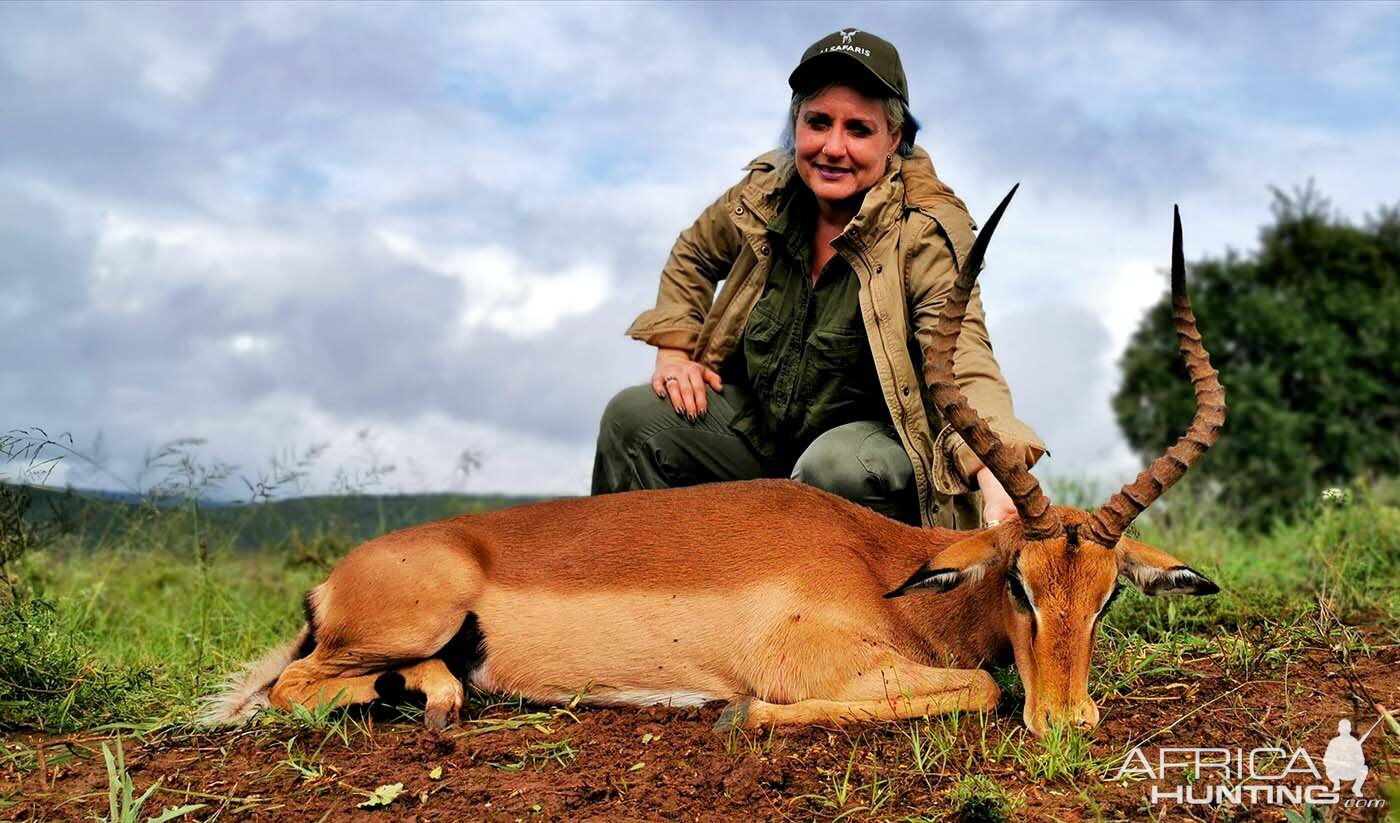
[
  {"x": 738, "y": 209},
  {"x": 879, "y": 268},
  {"x": 935, "y": 508},
  {"x": 763, "y": 250},
  {"x": 906, "y": 391}
]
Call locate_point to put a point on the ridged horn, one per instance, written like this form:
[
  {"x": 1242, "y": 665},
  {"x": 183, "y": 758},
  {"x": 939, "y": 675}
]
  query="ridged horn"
[
  {"x": 1039, "y": 521},
  {"x": 1109, "y": 522}
]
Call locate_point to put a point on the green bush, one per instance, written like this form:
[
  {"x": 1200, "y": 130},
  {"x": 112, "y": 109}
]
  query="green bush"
[{"x": 51, "y": 677}]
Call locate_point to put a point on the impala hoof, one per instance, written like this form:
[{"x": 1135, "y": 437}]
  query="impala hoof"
[
  {"x": 438, "y": 718},
  {"x": 734, "y": 716},
  {"x": 443, "y": 710}
]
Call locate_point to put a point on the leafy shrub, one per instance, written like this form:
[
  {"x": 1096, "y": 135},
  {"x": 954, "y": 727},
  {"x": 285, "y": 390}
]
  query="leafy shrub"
[{"x": 51, "y": 678}]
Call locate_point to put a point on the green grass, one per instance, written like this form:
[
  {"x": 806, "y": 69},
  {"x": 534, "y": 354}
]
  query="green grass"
[
  {"x": 1348, "y": 553},
  {"x": 138, "y": 634},
  {"x": 976, "y": 799}
]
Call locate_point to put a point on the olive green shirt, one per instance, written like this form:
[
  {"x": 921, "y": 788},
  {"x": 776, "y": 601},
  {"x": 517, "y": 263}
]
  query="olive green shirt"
[{"x": 806, "y": 355}]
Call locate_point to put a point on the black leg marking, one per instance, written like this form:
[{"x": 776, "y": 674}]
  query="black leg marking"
[
  {"x": 391, "y": 688},
  {"x": 308, "y": 643},
  {"x": 466, "y": 651}
]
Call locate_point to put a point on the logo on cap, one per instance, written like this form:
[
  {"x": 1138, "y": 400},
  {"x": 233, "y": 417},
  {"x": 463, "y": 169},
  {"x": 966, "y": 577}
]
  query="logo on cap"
[{"x": 845, "y": 45}]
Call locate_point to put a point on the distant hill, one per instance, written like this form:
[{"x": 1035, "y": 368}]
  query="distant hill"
[{"x": 98, "y": 516}]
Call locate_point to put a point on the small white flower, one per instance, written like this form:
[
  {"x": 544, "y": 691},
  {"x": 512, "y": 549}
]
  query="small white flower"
[{"x": 1338, "y": 496}]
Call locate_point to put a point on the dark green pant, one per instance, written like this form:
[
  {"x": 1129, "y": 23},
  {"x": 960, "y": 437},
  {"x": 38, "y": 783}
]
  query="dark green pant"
[{"x": 644, "y": 444}]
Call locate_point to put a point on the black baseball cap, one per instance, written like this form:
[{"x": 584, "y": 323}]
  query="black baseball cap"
[{"x": 837, "y": 53}]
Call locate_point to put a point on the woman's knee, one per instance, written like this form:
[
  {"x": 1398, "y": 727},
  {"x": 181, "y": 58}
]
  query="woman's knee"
[
  {"x": 857, "y": 461},
  {"x": 832, "y": 463}
]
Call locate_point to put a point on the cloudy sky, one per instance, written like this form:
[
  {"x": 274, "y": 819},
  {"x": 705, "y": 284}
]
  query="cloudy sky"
[{"x": 273, "y": 226}]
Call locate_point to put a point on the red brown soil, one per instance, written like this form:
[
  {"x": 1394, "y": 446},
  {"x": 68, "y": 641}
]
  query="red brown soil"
[{"x": 660, "y": 764}]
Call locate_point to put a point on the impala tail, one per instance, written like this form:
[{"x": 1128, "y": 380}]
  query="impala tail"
[{"x": 246, "y": 691}]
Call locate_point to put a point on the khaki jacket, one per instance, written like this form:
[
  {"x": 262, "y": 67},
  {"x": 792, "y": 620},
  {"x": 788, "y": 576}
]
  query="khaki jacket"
[{"x": 904, "y": 245}]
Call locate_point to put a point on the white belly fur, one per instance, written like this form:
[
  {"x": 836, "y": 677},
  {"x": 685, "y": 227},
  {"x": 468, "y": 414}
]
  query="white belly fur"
[{"x": 622, "y": 647}]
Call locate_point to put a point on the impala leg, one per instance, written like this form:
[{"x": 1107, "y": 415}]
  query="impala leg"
[
  {"x": 436, "y": 682},
  {"x": 891, "y": 692},
  {"x": 312, "y": 682}
]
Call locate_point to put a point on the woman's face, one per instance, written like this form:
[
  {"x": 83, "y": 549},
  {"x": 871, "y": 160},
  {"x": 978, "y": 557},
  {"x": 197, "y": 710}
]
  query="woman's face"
[{"x": 842, "y": 143}]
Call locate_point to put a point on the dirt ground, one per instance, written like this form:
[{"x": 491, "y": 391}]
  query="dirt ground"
[{"x": 662, "y": 764}]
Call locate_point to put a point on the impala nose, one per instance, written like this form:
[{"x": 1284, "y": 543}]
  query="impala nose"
[{"x": 1083, "y": 717}]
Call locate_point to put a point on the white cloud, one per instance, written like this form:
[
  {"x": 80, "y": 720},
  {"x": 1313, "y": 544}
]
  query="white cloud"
[
  {"x": 502, "y": 293},
  {"x": 176, "y": 69},
  {"x": 251, "y": 344},
  {"x": 138, "y": 261}
]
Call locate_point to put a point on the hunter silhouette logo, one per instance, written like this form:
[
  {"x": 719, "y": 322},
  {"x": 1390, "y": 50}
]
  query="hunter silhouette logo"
[
  {"x": 1344, "y": 761},
  {"x": 1267, "y": 775},
  {"x": 847, "y": 34}
]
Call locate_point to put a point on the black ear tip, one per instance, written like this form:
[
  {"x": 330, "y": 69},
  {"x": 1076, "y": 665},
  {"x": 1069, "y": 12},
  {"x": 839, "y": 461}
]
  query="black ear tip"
[{"x": 1204, "y": 585}]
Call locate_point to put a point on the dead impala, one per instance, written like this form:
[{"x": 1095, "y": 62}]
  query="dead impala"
[{"x": 801, "y": 608}]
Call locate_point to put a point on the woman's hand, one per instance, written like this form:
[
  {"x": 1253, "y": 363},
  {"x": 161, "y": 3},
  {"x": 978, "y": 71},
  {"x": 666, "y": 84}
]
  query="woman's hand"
[
  {"x": 996, "y": 503},
  {"x": 682, "y": 381}
]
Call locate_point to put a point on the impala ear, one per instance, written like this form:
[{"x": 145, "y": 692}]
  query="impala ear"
[
  {"x": 962, "y": 562},
  {"x": 927, "y": 578},
  {"x": 1159, "y": 574}
]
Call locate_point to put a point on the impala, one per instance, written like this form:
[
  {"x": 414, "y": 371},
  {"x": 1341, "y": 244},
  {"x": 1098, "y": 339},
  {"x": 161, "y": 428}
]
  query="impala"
[{"x": 794, "y": 605}]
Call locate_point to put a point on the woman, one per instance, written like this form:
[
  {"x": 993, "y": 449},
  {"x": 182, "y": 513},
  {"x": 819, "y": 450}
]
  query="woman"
[{"x": 836, "y": 253}]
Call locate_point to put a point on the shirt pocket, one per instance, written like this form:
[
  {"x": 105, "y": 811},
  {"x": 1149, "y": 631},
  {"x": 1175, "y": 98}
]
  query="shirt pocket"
[
  {"x": 839, "y": 386},
  {"x": 761, "y": 336},
  {"x": 836, "y": 351},
  {"x": 762, "y": 326},
  {"x": 762, "y": 339}
]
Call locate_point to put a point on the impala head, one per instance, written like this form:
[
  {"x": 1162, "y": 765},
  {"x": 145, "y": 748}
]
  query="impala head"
[{"x": 1060, "y": 568}]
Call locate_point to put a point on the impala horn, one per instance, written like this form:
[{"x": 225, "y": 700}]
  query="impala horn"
[
  {"x": 1109, "y": 522},
  {"x": 1039, "y": 521}
]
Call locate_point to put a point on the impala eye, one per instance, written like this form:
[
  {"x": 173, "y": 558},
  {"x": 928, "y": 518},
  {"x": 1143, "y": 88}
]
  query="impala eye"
[{"x": 1018, "y": 592}]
